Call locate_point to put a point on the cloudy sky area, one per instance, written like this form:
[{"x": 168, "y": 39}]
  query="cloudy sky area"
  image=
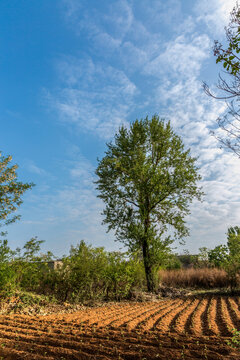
[{"x": 73, "y": 71}]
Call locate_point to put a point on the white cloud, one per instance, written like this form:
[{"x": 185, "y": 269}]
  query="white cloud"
[
  {"x": 98, "y": 96},
  {"x": 214, "y": 13},
  {"x": 32, "y": 167},
  {"x": 69, "y": 211},
  {"x": 95, "y": 98},
  {"x": 119, "y": 18},
  {"x": 182, "y": 57},
  {"x": 180, "y": 97}
]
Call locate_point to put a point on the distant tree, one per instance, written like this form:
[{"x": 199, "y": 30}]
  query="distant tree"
[
  {"x": 32, "y": 248},
  {"x": 218, "y": 256},
  {"x": 203, "y": 257},
  {"x": 232, "y": 265},
  {"x": 173, "y": 262},
  {"x": 147, "y": 180},
  {"x": 6, "y": 271},
  {"x": 185, "y": 259},
  {"x": 11, "y": 190},
  {"x": 229, "y": 85}
]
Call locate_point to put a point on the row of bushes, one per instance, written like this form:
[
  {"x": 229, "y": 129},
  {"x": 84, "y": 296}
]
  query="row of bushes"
[
  {"x": 93, "y": 273},
  {"x": 87, "y": 273}
]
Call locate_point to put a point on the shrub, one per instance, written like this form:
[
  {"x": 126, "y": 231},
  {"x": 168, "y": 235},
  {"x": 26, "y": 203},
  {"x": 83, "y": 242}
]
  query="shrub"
[
  {"x": 92, "y": 273},
  {"x": 122, "y": 275}
]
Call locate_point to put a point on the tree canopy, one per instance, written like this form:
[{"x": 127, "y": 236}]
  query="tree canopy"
[
  {"x": 11, "y": 190},
  {"x": 228, "y": 256},
  {"x": 147, "y": 180}
]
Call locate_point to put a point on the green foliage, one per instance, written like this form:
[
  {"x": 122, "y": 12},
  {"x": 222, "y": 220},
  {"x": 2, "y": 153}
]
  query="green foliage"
[
  {"x": 229, "y": 56},
  {"x": 185, "y": 259},
  {"x": 7, "y": 274},
  {"x": 29, "y": 271},
  {"x": 229, "y": 84},
  {"x": 235, "y": 339},
  {"x": 218, "y": 256},
  {"x": 228, "y": 256},
  {"x": 11, "y": 190},
  {"x": 172, "y": 262},
  {"x": 83, "y": 272},
  {"x": 86, "y": 274},
  {"x": 232, "y": 265},
  {"x": 91, "y": 273},
  {"x": 122, "y": 275},
  {"x": 147, "y": 180},
  {"x": 32, "y": 268}
]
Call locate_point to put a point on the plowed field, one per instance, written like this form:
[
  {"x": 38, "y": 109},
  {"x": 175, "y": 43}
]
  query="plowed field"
[{"x": 191, "y": 328}]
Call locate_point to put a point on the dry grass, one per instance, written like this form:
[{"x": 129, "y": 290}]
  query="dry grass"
[{"x": 195, "y": 278}]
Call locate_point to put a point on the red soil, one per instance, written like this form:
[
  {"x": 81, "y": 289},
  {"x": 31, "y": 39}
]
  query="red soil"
[{"x": 154, "y": 330}]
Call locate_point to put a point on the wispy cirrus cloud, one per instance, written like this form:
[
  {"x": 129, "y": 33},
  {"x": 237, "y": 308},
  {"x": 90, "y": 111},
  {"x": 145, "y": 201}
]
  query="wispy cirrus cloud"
[
  {"x": 215, "y": 14},
  {"x": 69, "y": 212},
  {"x": 175, "y": 60},
  {"x": 94, "y": 97}
]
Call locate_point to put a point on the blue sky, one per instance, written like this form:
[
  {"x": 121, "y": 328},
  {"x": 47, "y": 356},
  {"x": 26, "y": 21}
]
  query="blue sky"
[{"x": 72, "y": 71}]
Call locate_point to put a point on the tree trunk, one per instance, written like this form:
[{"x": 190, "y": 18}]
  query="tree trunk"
[
  {"x": 145, "y": 248},
  {"x": 148, "y": 267}
]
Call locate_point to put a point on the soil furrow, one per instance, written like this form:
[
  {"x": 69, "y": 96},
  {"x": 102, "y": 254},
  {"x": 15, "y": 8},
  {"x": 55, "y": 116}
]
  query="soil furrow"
[
  {"x": 153, "y": 322},
  {"x": 196, "y": 321},
  {"x": 164, "y": 321},
  {"x": 181, "y": 321},
  {"x": 172, "y": 318},
  {"x": 226, "y": 317},
  {"x": 233, "y": 314},
  {"x": 154, "y": 315},
  {"x": 62, "y": 347},
  {"x": 136, "y": 322},
  {"x": 234, "y": 307},
  {"x": 212, "y": 315},
  {"x": 188, "y": 324},
  {"x": 220, "y": 319},
  {"x": 129, "y": 315},
  {"x": 138, "y": 331},
  {"x": 204, "y": 319},
  {"x": 236, "y": 299}
]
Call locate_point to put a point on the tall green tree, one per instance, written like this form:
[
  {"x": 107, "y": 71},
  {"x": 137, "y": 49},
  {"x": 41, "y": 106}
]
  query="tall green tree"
[
  {"x": 147, "y": 180},
  {"x": 11, "y": 190}
]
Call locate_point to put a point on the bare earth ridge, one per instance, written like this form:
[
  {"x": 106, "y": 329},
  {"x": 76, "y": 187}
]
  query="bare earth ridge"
[{"x": 183, "y": 328}]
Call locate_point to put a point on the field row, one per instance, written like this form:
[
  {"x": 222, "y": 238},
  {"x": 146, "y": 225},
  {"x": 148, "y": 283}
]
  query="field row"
[
  {"x": 194, "y": 315},
  {"x": 154, "y": 330}
]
